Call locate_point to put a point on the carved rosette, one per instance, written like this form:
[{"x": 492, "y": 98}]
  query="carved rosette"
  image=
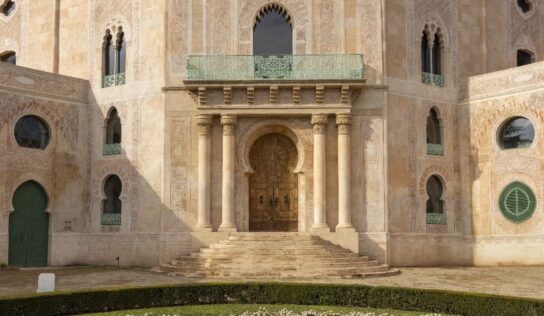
[
  {"x": 343, "y": 121},
  {"x": 229, "y": 124},
  {"x": 318, "y": 122},
  {"x": 204, "y": 123}
]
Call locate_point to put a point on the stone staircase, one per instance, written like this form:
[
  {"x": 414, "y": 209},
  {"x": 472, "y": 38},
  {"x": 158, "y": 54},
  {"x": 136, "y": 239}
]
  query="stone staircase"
[{"x": 275, "y": 255}]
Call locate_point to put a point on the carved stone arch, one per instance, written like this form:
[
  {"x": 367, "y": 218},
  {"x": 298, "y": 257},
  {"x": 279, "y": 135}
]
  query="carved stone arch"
[
  {"x": 525, "y": 43},
  {"x": 444, "y": 176},
  {"x": 249, "y": 11},
  {"x": 43, "y": 179},
  {"x": 116, "y": 23},
  {"x": 103, "y": 173},
  {"x": 535, "y": 6},
  {"x": 489, "y": 124},
  {"x": 441, "y": 111},
  {"x": 432, "y": 25}
]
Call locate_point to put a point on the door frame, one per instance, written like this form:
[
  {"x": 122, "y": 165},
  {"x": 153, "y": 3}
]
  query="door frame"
[{"x": 39, "y": 180}]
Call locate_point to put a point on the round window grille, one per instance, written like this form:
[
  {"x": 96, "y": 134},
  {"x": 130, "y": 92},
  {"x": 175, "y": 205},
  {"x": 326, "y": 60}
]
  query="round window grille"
[{"x": 517, "y": 202}]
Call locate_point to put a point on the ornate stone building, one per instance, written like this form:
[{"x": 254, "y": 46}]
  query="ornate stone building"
[{"x": 140, "y": 131}]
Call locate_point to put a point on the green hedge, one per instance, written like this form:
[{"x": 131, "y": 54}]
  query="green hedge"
[{"x": 63, "y": 303}]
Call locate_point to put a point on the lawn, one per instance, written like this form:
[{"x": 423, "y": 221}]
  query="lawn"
[{"x": 238, "y": 309}]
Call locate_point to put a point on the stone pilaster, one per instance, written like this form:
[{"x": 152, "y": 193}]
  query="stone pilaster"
[
  {"x": 204, "y": 176},
  {"x": 229, "y": 143},
  {"x": 319, "y": 123},
  {"x": 343, "y": 121}
]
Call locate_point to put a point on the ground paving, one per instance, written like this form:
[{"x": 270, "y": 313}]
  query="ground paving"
[{"x": 512, "y": 281}]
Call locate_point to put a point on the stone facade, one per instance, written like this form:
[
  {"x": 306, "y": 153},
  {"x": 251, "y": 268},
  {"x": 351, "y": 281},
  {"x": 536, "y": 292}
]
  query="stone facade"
[{"x": 362, "y": 163}]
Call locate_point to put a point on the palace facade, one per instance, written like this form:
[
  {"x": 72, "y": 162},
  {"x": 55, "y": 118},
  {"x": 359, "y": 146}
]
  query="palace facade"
[{"x": 410, "y": 131}]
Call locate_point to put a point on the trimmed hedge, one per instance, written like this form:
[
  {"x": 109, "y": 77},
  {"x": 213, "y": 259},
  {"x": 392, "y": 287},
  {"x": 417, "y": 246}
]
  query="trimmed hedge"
[{"x": 66, "y": 303}]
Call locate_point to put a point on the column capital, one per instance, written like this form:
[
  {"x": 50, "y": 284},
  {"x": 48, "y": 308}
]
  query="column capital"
[
  {"x": 343, "y": 121},
  {"x": 204, "y": 122},
  {"x": 229, "y": 122},
  {"x": 318, "y": 122}
]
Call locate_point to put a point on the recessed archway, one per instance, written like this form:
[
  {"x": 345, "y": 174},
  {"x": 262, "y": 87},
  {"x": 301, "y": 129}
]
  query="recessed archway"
[
  {"x": 29, "y": 227},
  {"x": 273, "y": 186}
]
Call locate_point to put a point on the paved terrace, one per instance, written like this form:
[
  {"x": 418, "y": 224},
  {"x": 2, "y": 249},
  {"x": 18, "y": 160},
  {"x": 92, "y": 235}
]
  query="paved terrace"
[{"x": 511, "y": 281}]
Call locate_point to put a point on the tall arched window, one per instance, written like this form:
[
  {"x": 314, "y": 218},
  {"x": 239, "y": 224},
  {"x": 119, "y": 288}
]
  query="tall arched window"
[
  {"x": 273, "y": 31},
  {"x": 434, "y": 134},
  {"x": 114, "y": 58},
  {"x": 425, "y": 54},
  {"x": 435, "y": 204},
  {"x": 432, "y": 56},
  {"x": 8, "y": 57},
  {"x": 111, "y": 206},
  {"x": 112, "y": 134},
  {"x": 437, "y": 51},
  {"x": 524, "y": 57}
]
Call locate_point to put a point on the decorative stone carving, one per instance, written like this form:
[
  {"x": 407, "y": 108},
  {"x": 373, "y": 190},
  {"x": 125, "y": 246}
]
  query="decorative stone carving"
[
  {"x": 344, "y": 123},
  {"x": 204, "y": 124},
  {"x": 319, "y": 121},
  {"x": 229, "y": 124}
]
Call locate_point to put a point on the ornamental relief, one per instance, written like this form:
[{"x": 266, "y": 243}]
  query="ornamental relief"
[
  {"x": 64, "y": 119},
  {"x": 180, "y": 35}
]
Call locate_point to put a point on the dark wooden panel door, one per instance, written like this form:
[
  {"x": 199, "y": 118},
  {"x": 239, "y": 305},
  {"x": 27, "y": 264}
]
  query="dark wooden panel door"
[
  {"x": 273, "y": 185},
  {"x": 29, "y": 227}
]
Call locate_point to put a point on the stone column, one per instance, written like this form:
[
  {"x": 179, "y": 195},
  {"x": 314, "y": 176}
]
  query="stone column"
[
  {"x": 204, "y": 177},
  {"x": 227, "y": 211},
  {"x": 343, "y": 121},
  {"x": 319, "y": 122}
]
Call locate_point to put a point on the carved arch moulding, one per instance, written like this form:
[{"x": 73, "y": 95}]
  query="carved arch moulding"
[{"x": 250, "y": 9}]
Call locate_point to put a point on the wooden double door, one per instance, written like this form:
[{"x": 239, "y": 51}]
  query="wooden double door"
[
  {"x": 273, "y": 194},
  {"x": 29, "y": 227}
]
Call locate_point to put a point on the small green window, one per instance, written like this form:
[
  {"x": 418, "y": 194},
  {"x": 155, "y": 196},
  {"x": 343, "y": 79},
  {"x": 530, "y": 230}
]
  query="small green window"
[{"x": 517, "y": 202}]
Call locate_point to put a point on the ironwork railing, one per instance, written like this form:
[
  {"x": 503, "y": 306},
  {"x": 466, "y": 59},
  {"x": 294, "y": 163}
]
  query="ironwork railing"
[
  {"x": 114, "y": 80},
  {"x": 110, "y": 219},
  {"x": 111, "y": 149},
  {"x": 435, "y": 149},
  {"x": 429, "y": 78},
  {"x": 436, "y": 218},
  {"x": 275, "y": 67}
]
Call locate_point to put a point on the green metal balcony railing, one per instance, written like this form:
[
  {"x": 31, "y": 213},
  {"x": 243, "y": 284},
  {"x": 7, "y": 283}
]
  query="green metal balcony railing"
[
  {"x": 110, "y": 219},
  {"x": 275, "y": 67},
  {"x": 428, "y": 78},
  {"x": 435, "y": 149},
  {"x": 111, "y": 149},
  {"x": 436, "y": 219},
  {"x": 114, "y": 80}
]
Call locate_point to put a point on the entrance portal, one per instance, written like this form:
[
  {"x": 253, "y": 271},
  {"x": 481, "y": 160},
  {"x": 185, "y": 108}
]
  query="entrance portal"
[
  {"x": 273, "y": 194},
  {"x": 28, "y": 227}
]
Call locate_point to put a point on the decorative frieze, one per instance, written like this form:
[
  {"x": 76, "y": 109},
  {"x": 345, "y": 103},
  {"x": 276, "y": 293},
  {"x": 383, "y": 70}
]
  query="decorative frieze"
[
  {"x": 296, "y": 95},
  {"x": 251, "y": 95},
  {"x": 202, "y": 98},
  {"x": 319, "y": 92},
  {"x": 273, "y": 94},
  {"x": 227, "y": 95}
]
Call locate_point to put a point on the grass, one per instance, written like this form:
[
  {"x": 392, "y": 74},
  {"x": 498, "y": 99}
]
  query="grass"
[{"x": 237, "y": 309}]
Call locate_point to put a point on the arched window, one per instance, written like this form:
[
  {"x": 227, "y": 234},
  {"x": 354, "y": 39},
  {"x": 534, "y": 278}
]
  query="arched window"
[
  {"x": 425, "y": 54},
  {"x": 9, "y": 57},
  {"x": 435, "y": 204},
  {"x": 112, "y": 133},
  {"x": 524, "y": 57},
  {"x": 434, "y": 134},
  {"x": 437, "y": 51},
  {"x": 273, "y": 31},
  {"x": 111, "y": 207},
  {"x": 432, "y": 56},
  {"x": 516, "y": 132},
  {"x": 32, "y": 132},
  {"x": 8, "y": 8},
  {"x": 109, "y": 54},
  {"x": 114, "y": 58},
  {"x": 121, "y": 52}
]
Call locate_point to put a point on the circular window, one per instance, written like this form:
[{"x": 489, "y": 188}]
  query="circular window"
[
  {"x": 517, "y": 202},
  {"x": 32, "y": 132},
  {"x": 517, "y": 132}
]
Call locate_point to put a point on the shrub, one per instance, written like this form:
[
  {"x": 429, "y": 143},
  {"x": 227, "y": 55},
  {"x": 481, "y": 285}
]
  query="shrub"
[{"x": 63, "y": 303}]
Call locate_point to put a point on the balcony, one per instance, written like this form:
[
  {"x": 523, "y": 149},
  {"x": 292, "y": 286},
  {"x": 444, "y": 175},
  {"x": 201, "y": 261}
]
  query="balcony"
[
  {"x": 279, "y": 67},
  {"x": 108, "y": 219},
  {"x": 435, "y": 149},
  {"x": 114, "y": 80},
  {"x": 436, "y": 219},
  {"x": 111, "y": 149}
]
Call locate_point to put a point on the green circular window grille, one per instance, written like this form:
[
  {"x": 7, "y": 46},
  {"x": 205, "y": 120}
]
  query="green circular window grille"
[{"x": 517, "y": 202}]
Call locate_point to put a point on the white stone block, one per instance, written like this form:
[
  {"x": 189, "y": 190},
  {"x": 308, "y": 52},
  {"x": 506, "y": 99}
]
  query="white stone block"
[{"x": 46, "y": 282}]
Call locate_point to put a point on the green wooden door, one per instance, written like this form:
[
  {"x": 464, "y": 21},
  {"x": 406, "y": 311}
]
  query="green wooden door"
[{"x": 29, "y": 227}]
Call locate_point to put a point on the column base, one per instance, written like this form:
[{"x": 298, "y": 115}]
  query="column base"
[
  {"x": 228, "y": 229},
  {"x": 345, "y": 229},
  {"x": 203, "y": 228},
  {"x": 320, "y": 229}
]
